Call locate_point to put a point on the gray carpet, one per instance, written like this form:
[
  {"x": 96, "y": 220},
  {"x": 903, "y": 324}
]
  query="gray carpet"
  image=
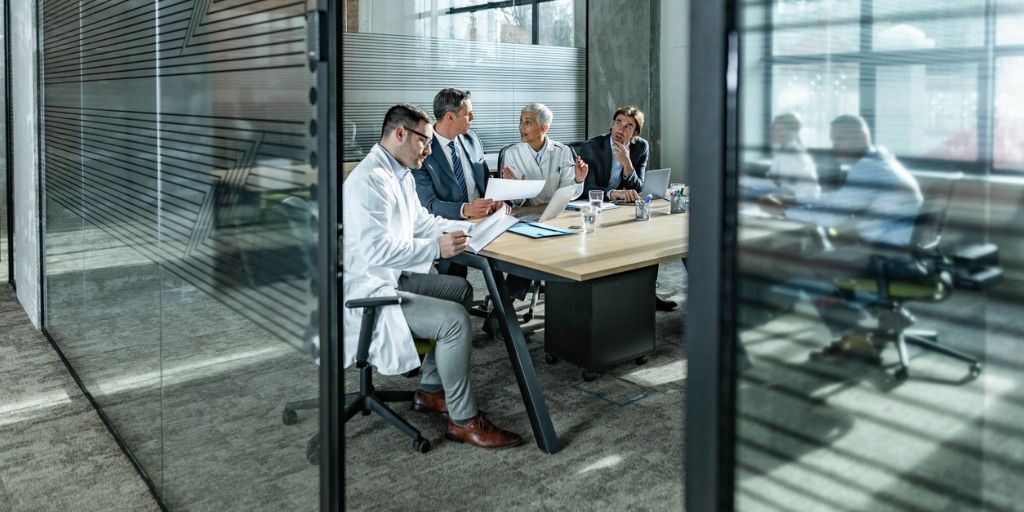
[
  {"x": 617, "y": 454},
  {"x": 55, "y": 454},
  {"x": 844, "y": 435}
]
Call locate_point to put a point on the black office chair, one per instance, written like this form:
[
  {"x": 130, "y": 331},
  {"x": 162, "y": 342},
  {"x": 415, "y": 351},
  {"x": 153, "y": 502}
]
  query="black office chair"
[
  {"x": 369, "y": 399},
  {"x": 923, "y": 274}
]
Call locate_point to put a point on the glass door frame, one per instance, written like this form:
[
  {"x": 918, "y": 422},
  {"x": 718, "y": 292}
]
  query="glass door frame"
[
  {"x": 8, "y": 148},
  {"x": 323, "y": 20},
  {"x": 714, "y": 79}
]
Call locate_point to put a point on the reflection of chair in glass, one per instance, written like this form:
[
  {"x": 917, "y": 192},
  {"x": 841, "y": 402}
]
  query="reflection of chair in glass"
[
  {"x": 369, "y": 399},
  {"x": 921, "y": 275},
  {"x": 302, "y": 225}
]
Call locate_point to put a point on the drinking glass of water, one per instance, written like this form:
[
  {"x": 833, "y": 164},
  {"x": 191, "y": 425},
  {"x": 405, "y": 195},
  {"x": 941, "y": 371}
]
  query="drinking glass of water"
[
  {"x": 596, "y": 198},
  {"x": 588, "y": 215}
]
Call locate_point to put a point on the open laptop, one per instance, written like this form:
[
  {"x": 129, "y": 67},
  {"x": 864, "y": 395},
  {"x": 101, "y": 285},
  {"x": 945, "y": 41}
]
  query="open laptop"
[
  {"x": 656, "y": 183},
  {"x": 555, "y": 206}
]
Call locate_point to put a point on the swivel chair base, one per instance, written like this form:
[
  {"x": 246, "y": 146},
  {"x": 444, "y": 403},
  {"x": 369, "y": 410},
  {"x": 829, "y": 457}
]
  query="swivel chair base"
[
  {"x": 929, "y": 340},
  {"x": 368, "y": 400}
]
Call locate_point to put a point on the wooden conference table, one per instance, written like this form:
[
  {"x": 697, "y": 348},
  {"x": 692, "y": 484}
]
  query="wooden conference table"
[{"x": 585, "y": 274}]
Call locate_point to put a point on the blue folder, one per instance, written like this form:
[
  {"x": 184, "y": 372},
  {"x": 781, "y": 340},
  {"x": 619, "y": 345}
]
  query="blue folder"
[{"x": 538, "y": 230}]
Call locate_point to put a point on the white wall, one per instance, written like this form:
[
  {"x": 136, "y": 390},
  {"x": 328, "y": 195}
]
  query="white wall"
[
  {"x": 23, "y": 101},
  {"x": 675, "y": 51}
]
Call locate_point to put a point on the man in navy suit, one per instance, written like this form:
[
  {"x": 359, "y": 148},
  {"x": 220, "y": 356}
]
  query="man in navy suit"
[
  {"x": 453, "y": 178},
  {"x": 617, "y": 161},
  {"x": 452, "y": 181}
]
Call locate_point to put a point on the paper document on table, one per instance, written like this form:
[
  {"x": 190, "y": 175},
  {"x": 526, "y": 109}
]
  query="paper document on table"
[
  {"x": 501, "y": 189},
  {"x": 490, "y": 228}
]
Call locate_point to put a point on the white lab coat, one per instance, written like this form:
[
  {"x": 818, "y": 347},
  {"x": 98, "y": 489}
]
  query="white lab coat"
[
  {"x": 555, "y": 168},
  {"x": 386, "y": 232}
]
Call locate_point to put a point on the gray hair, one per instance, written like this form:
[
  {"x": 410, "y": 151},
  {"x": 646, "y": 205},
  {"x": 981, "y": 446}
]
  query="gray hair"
[
  {"x": 543, "y": 113},
  {"x": 853, "y": 122},
  {"x": 449, "y": 100}
]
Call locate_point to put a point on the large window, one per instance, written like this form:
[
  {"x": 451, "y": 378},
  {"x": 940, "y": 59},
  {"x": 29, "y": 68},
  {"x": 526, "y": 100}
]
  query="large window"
[
  {"x": 921, "y": 74},
  {"x": 543, "y": 22}
]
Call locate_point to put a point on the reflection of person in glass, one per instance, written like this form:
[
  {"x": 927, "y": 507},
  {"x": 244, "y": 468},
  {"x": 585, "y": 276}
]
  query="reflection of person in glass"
[
  {"x": 792, "y": 170},
  {"x": 390, "y": 242},
  {"x": 872, "y": 213},
  {"x": 538, "y": 157},
  {"x": 351, "y": 149}
]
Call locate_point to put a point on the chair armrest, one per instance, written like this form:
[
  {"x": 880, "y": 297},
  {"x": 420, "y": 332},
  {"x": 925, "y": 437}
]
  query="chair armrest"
[{"x": 373, "y": 302}]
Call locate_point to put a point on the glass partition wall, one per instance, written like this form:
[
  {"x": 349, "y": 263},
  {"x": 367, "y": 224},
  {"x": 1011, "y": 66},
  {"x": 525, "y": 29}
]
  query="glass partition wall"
[
  {"x": 878, "y": 260},
  {"x": 180, "y": 248}
]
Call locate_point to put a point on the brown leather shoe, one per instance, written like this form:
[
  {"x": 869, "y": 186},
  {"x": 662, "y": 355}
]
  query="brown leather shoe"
[
  {"x": 481, "y": 433},
  {"x": 423, "y": 401}
]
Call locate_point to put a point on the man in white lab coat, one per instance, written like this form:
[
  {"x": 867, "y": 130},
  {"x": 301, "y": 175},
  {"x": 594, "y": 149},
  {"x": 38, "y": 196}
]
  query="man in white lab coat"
[{"x": 390, "y": 242}]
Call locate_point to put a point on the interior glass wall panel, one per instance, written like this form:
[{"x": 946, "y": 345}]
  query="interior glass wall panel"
[
  {"x": 879, "y": 217},
  {"x": 102, "y": 249},
  {"x": 180, "y": 172}
]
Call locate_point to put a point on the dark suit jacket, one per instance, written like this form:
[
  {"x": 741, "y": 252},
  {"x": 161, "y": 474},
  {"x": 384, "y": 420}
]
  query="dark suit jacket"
[
  {"x": 597, "y": 153},
  {"x": 435, "y": 181}
]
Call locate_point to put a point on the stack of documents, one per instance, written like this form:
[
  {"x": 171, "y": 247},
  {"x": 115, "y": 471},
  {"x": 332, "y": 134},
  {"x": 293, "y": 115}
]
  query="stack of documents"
[{"x": 490, "y": 228}]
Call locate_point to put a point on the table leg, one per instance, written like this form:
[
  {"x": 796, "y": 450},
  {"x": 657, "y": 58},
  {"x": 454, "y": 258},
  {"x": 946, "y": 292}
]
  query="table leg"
[{"x": 522, "y": 365}]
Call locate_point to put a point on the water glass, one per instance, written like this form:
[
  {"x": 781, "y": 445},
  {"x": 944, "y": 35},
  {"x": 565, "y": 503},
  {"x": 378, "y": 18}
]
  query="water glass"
[
  {"x": 588, "y": 215},
  {"x": 596, "y": 198}
]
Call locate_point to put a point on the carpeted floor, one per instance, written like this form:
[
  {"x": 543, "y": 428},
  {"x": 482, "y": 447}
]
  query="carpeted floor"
[
  {"x": 55, "y": 454},
  {"x": 621, "y": 435}
]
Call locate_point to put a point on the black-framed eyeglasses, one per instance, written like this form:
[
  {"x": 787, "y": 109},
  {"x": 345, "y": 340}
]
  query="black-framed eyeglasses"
[{"x": 426, "y": 140}]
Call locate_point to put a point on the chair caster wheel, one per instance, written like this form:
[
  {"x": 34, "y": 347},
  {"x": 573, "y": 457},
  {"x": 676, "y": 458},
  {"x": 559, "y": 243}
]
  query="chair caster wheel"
[
  {"x": 289, "y": 417},
  {"x": 640, "y": 361},
  {"x": 901, "y": 374},
  {"x": 421, "y": 445},
  {"x": 975, "y": 370},
  {"x": 550, "y": 358},
  {"x": 365, "y": 412},
  {"x": 527, "y": 317},
  {"x": 313, "y": 450},
  {"x": 589, "y": 376}
]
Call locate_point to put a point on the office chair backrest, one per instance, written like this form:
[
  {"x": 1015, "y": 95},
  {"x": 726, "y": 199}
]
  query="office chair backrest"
[
  {"x": 931, "y": 219},
  {"x": 501, "y": 159}
]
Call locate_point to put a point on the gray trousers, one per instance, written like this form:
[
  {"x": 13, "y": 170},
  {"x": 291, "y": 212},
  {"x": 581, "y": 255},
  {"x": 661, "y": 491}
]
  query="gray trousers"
[{"x": 437, "y": 307}]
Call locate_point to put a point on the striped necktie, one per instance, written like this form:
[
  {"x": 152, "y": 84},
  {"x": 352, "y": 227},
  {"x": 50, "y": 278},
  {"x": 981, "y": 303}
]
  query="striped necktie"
[{"x": 457, "y": 167}]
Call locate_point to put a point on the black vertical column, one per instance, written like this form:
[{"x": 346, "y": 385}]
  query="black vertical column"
[
  {"x": 711, "y": 332},
  {"x": 323, "y": 55}
]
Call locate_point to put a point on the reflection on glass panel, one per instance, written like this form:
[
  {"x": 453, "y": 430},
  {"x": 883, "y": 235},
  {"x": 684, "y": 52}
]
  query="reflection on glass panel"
[
  {"x": 879, "y": 313},
  {"x": 815, "y": 26},
  {"x": 1009, "y": 22},
  {"x": 929, "y": 111},
  {"x": 506, "y": 25},
  {"x": 556, "y": 23},
  {"x": 1008, "y": 152},
  {"x": 900, "y": 25},
  {"x": 818, "y": 93},
  {"x": 180, "y": 236}
]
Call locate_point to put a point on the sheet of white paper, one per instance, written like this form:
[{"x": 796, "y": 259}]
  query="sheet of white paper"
[
  {"x": 490, "y": 228},
  {"x": 578, "y": 205},
  {"x": 501, "y": 189}
]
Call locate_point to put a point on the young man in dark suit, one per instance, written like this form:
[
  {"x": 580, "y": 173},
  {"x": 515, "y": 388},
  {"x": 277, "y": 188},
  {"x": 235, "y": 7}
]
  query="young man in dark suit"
[
  {"x": 617, "y": 161},
  {"x": 618, "y": 158}
]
